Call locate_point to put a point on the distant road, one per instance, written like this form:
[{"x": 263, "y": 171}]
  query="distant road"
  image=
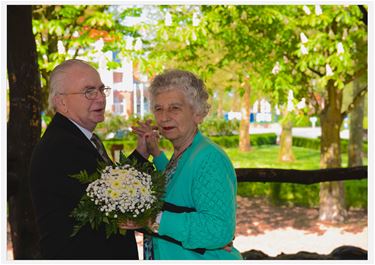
[{"x": 307, "y": 132}]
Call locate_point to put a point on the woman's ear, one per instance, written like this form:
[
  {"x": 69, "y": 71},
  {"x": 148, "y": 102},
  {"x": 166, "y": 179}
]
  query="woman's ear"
[{"x": 198, "y": 118}]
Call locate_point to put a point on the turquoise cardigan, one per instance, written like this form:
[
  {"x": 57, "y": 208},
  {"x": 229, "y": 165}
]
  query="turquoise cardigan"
[{"x": 205, "y": 180}]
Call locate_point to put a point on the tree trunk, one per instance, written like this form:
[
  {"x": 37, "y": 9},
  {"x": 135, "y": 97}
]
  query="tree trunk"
[
  {"x": 332, "y": 200},
  {"x": 244, "y": 140},
  {"x": 286, "y": 138},
  {"x": 220, "y": 110},
  {"x": 23, "y": 128},
  {"x": 355, "y": 153}
]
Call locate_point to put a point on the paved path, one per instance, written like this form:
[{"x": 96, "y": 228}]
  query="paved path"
[{"x": 308, "y": 132}]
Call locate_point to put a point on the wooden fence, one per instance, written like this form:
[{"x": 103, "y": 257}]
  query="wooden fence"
[{"x": 305, "y": 177}]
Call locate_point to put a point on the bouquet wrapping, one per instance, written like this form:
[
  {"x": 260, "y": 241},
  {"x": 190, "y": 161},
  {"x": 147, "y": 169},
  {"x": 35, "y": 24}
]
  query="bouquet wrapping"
[{"x": 119, "y": 192}]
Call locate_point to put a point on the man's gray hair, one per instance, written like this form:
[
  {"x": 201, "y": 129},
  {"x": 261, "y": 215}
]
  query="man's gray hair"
[
  {"x": 192, "y": 87},
  {"x": 57, "y": 77}
]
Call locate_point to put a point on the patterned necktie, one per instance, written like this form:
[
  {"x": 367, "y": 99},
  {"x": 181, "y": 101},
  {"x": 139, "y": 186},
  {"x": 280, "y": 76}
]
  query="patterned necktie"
[{"x": 99, "y": 145}]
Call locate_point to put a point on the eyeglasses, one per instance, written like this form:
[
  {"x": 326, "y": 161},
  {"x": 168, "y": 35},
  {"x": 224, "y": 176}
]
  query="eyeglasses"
[{"x": 92, "y": 92}]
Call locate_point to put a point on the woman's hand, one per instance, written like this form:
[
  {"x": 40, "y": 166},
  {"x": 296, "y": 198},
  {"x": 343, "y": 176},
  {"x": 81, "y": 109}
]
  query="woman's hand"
[
  {"x": 142, "y": 130},
  {"x": 152, "y": 140},
  {"x": 148, "y": 138}
]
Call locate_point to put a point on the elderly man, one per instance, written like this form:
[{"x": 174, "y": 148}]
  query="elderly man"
[{"x": 68, "y": 146}]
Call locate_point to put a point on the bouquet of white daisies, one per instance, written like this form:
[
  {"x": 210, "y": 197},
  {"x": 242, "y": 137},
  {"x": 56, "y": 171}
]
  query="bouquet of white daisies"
[{"x": 124, "y": 191}]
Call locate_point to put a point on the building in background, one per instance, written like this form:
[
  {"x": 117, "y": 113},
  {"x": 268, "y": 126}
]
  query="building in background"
[{"x": 129, "y": 90}]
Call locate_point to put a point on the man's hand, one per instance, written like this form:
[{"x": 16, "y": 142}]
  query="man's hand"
[
  {"x": 228, "y": 247},
  {"x": 129, "y": 225}
]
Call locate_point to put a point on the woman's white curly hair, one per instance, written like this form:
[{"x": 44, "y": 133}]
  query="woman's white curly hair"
[{"x": 192, "y": 87}]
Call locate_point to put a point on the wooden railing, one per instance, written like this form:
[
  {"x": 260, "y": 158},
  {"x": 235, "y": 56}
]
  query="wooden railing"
[{"x": 305, "y": 177}]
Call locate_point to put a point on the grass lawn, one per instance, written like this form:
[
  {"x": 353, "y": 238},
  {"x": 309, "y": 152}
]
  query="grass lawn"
[{"x": 266, "y": 156}]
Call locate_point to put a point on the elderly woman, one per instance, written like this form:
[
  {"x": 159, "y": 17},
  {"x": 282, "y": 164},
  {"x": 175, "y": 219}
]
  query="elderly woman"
[{"x": 201, "y": 182}]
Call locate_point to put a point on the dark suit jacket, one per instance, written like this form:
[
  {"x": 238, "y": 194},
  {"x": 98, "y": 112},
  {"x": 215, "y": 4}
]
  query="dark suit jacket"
[{"x": 62, "y": 151}]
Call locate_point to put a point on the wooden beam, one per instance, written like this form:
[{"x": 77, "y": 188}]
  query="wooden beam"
[{"x": 300, "y": 176}]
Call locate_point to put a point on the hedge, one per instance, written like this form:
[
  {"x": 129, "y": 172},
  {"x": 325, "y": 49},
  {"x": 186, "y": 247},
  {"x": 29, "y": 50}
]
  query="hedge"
[
  {"x": 232, "y": 141},
  {"x": 314, "y": 143}
]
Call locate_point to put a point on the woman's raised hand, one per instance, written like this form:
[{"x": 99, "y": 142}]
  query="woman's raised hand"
[{"x": 148, "y": 137}]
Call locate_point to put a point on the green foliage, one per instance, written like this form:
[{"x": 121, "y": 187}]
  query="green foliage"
[
  {"x": 219, "y": 127},
  {"x": 356, "y": 193},
  {"x": 304, "y": 121},
  {"x": 85, "y": 178},
  {"x": 311, "y": 143},
  {"x": 114, "y": 123},
  {"x": 255, "y": 140},
  {"x": 69, "y": 31},
  {"x": 223, "y": 141},
  {"x": 226, "y": 141},
  {"x": 345, "y": 143},
  {"x": 284, "y": 193},
  {"x": 315, "y": 144}
]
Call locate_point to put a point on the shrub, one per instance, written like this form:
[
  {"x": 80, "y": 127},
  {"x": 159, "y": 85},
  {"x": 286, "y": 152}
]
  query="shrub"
[
  {"x": 356, "y": 192},
  {"x": 315, "y": 144},
  {"x": 255, "y": 140},
  {"x": 219, "y": 127}
]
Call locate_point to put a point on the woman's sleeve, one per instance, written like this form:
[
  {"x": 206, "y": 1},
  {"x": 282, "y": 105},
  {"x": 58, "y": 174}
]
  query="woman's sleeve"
[
  {"x": 214, "y": 193},
  {"x": 160, "y": 161}
]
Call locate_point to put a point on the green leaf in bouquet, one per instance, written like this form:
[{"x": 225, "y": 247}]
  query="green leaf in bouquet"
[
  {"x": 122, "y": 231},
  {"x": 76, "y": 229},
  {"x": 82, "y": 176},
  {"x": 110, "y": 228},
  {"x": 85, "y": 178},
  {"x": 123, "y": 159},
  {"x": 107, "y": 231},
  {"x": 140, "y": 166}
]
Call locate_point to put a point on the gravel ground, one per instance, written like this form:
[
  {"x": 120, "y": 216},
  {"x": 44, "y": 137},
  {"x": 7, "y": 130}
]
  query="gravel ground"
[{"x": 275, "y": 230}]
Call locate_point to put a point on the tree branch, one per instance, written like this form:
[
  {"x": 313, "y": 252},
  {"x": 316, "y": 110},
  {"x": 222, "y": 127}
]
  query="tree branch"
[
  {"x": 356, "y": 75},
  {"x": 315, "y": 71},
  {"x": 312, "y": 100},
  {"x": 364, "y": 13},
  {"x": 354, "y": 103}
]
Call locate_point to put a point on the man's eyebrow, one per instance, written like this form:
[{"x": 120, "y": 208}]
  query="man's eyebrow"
[{"x": 93, "y": 87}]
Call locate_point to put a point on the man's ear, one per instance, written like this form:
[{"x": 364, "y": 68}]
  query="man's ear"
[{"x": 60, "y": 103}]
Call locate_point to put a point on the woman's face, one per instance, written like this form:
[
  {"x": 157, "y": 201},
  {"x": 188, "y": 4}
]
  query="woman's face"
[{"x": 175, "y": 117}]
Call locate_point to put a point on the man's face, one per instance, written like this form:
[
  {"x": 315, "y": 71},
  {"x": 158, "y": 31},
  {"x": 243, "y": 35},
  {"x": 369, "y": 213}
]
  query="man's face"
[{"x": 86, "y": 112}]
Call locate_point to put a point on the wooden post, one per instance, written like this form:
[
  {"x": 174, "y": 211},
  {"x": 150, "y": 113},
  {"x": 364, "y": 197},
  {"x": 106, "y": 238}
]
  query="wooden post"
[{"x": 115, "y": 151}]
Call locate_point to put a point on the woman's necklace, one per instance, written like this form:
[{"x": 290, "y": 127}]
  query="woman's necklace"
[{"x": 172, "y": 165}]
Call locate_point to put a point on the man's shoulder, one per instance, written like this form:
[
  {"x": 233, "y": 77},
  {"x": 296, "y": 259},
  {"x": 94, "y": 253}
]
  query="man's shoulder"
[{"x": 58, "y": 141}]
